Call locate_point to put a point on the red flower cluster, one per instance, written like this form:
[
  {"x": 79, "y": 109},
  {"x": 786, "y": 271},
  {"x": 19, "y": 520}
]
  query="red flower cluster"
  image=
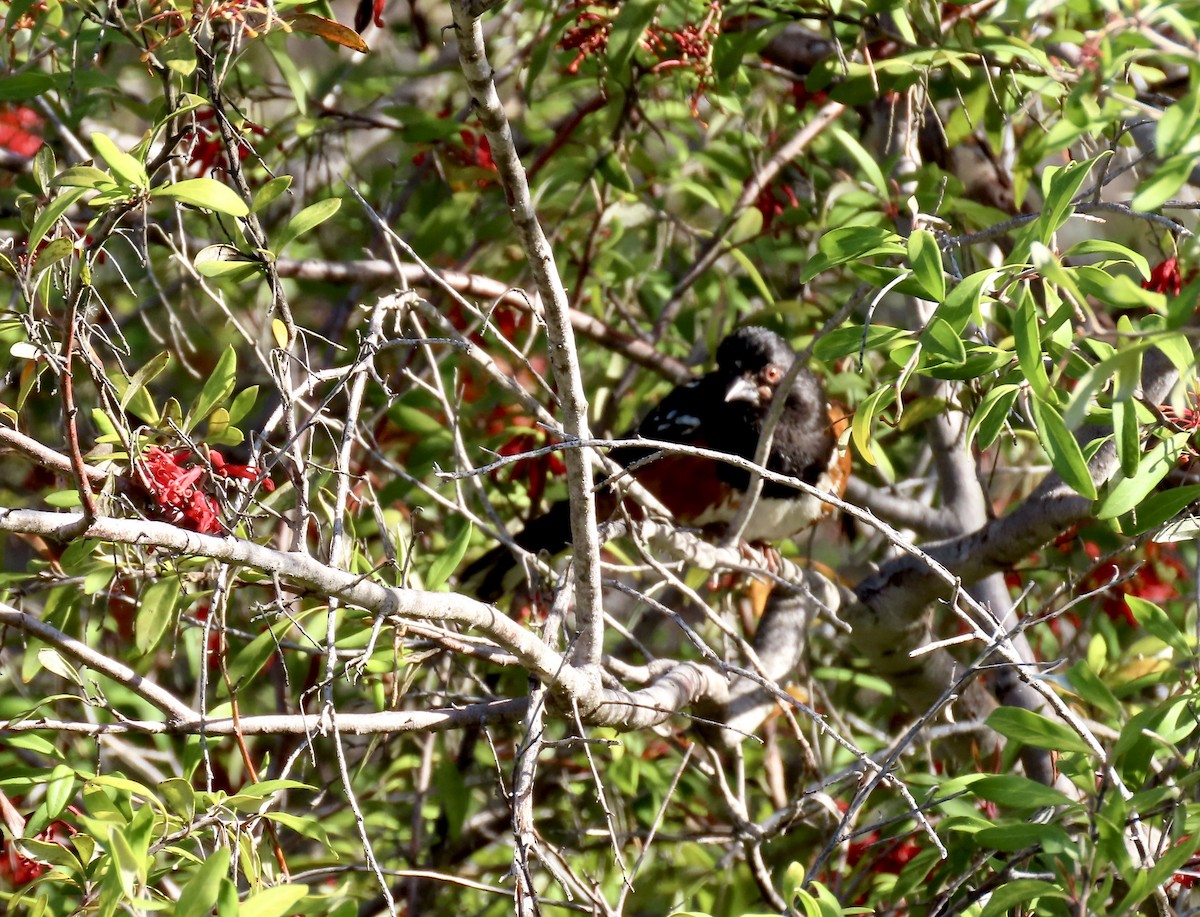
[
  {"x": 536, "y": 470},
  {"x": 20, "y": 130},
  {"x": 689, "y": 46},
  {"x": 174, "y": 483},
  {"x": 773, "y": 202},
  {"x": 474, "y": 152},
  {"x": 1153, "y": 581},
  {"x": 208, "y": 149},
  {"x": 1167, "y": 277},
  {"x": 16, "y": 869}
]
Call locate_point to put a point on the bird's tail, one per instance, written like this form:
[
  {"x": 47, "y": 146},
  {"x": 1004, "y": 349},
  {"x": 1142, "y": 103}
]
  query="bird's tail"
[{"x": 491, "y": 576}]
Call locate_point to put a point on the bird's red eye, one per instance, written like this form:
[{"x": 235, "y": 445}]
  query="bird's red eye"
[{"x": 772, "y": 374}]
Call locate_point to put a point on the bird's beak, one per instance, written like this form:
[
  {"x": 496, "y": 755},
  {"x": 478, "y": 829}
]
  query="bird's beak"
[{"x": 743, "y": 389}]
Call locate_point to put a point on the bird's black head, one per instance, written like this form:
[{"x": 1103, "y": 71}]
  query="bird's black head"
[{"x": 755, "y": 360}]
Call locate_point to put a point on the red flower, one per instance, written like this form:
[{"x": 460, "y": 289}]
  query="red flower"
[
  {"x": 20, "y": 130},
  {"x": 175, "y": 485},
  {"x": 1165, "y": 277},
  {"x": 16, "y": 869}
]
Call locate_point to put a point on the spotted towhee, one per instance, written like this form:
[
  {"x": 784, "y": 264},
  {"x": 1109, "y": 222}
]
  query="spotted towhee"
[{"x": 722, "y": 411}]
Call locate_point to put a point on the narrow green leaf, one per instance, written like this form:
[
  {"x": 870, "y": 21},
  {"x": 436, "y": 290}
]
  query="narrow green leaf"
[
  {"x": 145, "y": 376},
  {"x": 1163, "y": 183},
  {"x": 1127, "y": 433},
  {"x": 1177, "y": 126},
  {"x": 1060, "y": 185},
  {"x": 1125, "y": 362},
  {"x": 218, "y": 387},
  {"x": 251, "y": 658},
  {"x": 207, "y": 193},
  {"x": 1062, "y": 449},
  {"x": 1153, "y": 467},
  {"x": 128, "y": 171},
  {"x": 1155, "y": 622},
  {"x": 269, "y": 192},
  {"x": 1161, "y": 507},
  {"x": 628, "y": 27},
  {"x": 1107, "y": 247},
  {"x": 1092, "y": 689},
  {"x": 307, "y": 219},
  {"x": 226, "y": 262},
  {"x": 156, "y": 612},
  {"x": 926, "y": 259},
  {"x": 50, "y": 214},
  {"x": 448, "y": 561},
  {"x": 1020, "y": 893},
  {"x": 200, "y": 894},
  {"x": 752, "y": 272},
  {"x": 864, "y": 420},
  {"x": 869, "y": 166},
  {"x": 1018, "y": 792},
  {"x": 940, "y": 341},
  {"x": 990, "y": 417},
  {"x": 54, "y": 252},
  {"x": 851, "y": 243},
  {"x": 1034, "y": 729},
  {"x": 277, "y": 901},
  {"x": 1028, "y": 342},
  {"x": 83, "y": 177},
  {"x": 962, "y": 304}
]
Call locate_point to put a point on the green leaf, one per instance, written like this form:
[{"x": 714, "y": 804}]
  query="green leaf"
[
  {"x": 156, "y": 612},
  {"x": 850, "y": 340},
  {"x": 752, "y": 272},
  {"x": 1128, "y": 492},
  {"x": 447, "y": 562},
  {"x": 127, "y": 170},
  {"x": 1062, "y": 449},
  {"x": 1092, "y": 689},
  {"x": 83, "y": 177},
  {"x": 992, "y": 413},
  {"x": 1027, "y": 338},
  {"x": 50, "y": 214},
  {"x": 1018, "y": 792},
  {"x": 200, "y": 894},
  {"x": 627, "y": 30},
  {"x": 251, "y": 658},
  {"x": 1155, "y": 621},
  {"x": 1128, "y": 435},
  {"x": 307, "y": 219},
  {"x": 940, "y": 341},
  {"x": 277, "y": 901},
  {"x": 1011, "y": 837},
  {"x": 218, "y": 387},
  {"x": 53, "y": 252},
  {"x": 144, "y": 377},
  {"x": 1060, "y": 187},
  {"x": 1124, "y": 363},
  {"x": 1177, "y": 126},
  {"x": 868, "y": 164},
  {"x": 1034, "y": 729},
  {"x": 864, "y": 419},
  {"x": 851, "y": 243},
  {"x": 926, "y": 259},
  {"x": 225, "y": 261},
  {"x": 269, "y": 192},
  {"x": 207, "y": 193},
  {"x": 60, "y": 788},
  {"x": 1020, "y": 893},
  {"x": 1163, "y": 183},
  {"x": 1162, "y": 507},
  {"x": 1107, "y": 247}
]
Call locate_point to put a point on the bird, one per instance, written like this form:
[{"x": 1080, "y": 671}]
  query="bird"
[{"x": 722, "y": 411}]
